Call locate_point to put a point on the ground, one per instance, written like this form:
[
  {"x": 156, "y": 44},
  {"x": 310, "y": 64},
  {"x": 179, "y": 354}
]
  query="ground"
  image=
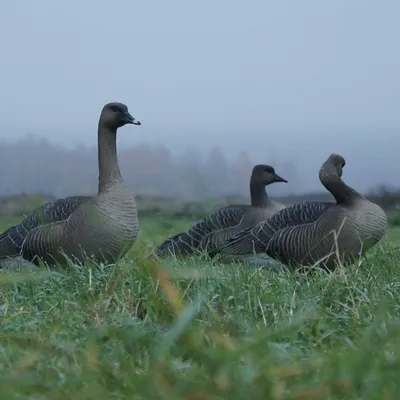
[{"x": 198, "y": 330}]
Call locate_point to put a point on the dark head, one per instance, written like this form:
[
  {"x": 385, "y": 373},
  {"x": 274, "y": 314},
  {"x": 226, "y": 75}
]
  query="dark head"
[
  {"x": 333, "y": 166},
  {"x": 265, "y": 174},
  {"x": 116, "y": 115}
]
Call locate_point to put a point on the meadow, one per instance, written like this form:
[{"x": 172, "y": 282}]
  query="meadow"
[{"x": 200, "y": 330}]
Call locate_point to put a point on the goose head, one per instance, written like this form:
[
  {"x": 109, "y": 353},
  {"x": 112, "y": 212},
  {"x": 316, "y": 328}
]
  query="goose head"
[
  {"x": 332, "y": 166},
  {"x": 116, "y": 115},
  {"x": 265, "y": 174}
]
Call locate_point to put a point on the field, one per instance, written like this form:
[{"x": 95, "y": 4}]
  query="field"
[{"x": 198, "y": 330}]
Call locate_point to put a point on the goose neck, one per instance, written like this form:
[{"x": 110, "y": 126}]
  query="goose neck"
[
  {"x": 258, "y": 194},
  {"x": 342, "y": 193},
  {"x": 109, "y": 172}
]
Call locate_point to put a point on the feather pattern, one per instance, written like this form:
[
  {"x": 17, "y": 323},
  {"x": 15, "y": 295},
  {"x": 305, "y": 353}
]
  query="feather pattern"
[
  {"x": 11, "y": 240},
  {"x": 103, "y": 227},
  {"x": 208, "y": 234},
  {"x": 254, "y": 239},
  {"x": 339, "y": 236},
  {"x": 309, "y": 233},
  {"x": 179, "y": 244}
]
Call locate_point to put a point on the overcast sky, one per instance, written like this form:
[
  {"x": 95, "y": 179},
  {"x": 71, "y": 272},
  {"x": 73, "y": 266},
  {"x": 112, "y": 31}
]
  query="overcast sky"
[{"x": 275, "y": 78}]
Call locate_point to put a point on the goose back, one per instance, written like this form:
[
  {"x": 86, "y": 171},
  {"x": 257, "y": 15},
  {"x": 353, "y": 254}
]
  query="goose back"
[
  {"x": 211, "y": 232},
  {"x": 255, "y": 238},
  {"x": 338, "y": 237}
]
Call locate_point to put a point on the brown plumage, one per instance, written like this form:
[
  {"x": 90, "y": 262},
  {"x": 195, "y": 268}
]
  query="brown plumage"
[
  {"x": 303, "y": 234},
  {"x": 103, "y": 227},
  {"x": 211, "y": 232}
]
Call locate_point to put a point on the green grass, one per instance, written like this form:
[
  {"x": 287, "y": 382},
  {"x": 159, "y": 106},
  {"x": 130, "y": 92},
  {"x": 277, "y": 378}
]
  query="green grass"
[{"x": 194, "y": 330}]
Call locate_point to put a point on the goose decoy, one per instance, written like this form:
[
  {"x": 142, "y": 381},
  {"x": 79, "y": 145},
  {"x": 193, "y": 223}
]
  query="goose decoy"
[
  {"x": 312, "y": 232},
  {"x": 103, "y": 227},
  {"x": 209, "y": 233}
]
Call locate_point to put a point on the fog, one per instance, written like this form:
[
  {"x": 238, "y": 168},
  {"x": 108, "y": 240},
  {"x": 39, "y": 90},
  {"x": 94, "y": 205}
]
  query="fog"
[{"x": 285, "y": 83}]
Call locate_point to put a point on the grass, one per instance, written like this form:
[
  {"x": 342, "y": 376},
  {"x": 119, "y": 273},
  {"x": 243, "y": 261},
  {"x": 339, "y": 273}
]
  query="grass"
[{"x": 194, "y": 330}]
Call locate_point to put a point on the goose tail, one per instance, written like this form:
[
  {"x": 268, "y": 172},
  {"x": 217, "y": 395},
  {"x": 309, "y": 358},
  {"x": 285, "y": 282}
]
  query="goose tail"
[
  {"x": 10, "y": 243},
  {"x": 177, "y": 245}
]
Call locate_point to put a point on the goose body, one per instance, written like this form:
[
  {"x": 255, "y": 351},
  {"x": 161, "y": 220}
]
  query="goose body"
[
  {"x": 103, "y": 227},
  {"x": 210, "y": 233},
  {"x": 312, "y": 232}
]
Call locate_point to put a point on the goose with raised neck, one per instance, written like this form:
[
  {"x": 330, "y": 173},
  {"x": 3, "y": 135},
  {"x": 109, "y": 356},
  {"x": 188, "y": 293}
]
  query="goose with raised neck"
[
  {"x": 311, "y": 233},
  {"x": 210, "y": 232},
  {"x": 102, "y": 227}
]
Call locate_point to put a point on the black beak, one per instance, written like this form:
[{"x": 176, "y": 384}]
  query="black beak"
[
  {"x": 128, "y": 119},
  {"x": 277, "y": 178}
]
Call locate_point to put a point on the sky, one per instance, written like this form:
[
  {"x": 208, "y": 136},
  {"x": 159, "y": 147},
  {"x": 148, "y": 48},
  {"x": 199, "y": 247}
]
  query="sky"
[{"x": 280, "y": 79}]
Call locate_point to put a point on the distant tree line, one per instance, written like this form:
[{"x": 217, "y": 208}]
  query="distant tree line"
[
  {"x": 33, "y": 170},
  {"x": 35, "y": 165}
]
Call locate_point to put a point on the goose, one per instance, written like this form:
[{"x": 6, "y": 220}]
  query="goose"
[
  {"x": 307, "y": 233},
  {"x": 103, "y": 226},
  {"x": 209, "y": 233}
]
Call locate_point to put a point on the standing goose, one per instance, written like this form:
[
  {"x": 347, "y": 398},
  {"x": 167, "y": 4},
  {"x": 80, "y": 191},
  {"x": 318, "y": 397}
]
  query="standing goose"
[
  {"x": 211, "y": 232},
  {"x": 103, "y": 227},
  {"x": 304, "y": 234}
]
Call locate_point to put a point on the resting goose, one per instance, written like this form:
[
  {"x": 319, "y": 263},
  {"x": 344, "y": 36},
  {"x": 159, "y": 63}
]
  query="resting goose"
[
  {"x": 103, "y": 227},
  {"x": 209, "y": 233},
  {"x": 304, "y": 234}
]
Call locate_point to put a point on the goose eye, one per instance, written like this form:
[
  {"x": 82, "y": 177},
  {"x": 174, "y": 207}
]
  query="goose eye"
[{"x": 115, "y": 109}]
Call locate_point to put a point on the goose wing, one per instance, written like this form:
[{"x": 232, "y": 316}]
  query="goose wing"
[
  {"x": 205, "y": 234},
  {"x": 11, "y": 240},
  {"x": 256, "y": 239}
]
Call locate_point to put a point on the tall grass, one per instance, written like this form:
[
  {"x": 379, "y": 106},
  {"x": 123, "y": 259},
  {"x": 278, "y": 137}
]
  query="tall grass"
[{"x": 198, "y": 330}]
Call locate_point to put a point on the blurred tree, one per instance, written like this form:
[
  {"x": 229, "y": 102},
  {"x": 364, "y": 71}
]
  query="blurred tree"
[
  {"x": 36, "y": 165},
  {"x": 217, "y": 174},
  {"x": 191, "y": 179},
  {"x": 288, "y": 170},
  {"x": 241, "y": 173}
]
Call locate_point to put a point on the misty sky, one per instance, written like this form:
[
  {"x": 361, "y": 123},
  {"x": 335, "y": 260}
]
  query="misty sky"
[{"x": 279, "y": 79}]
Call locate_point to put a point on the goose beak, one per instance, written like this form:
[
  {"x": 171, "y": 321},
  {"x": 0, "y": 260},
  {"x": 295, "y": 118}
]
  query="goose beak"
[
  {"x": 277, "y": 178},
  {"x": 128, "y": 119}
]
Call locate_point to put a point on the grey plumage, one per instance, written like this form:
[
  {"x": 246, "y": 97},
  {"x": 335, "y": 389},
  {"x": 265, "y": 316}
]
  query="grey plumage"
[
  {"x": 11, "y": 239},
  {"x": 303, "y": 234},
  {"x": 103, "y": 227},
  {"x": 255, "y": 239},
  {"x": 211, "y": 232},
  {"x": 181, "y": 244}
]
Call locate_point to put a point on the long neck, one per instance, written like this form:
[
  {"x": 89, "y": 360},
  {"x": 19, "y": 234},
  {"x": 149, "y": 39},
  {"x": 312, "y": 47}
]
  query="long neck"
[
  {"x": 258, "y": 195},
  {"x": 342, "y": 193},
  {"x": 109, "y": 173}
]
